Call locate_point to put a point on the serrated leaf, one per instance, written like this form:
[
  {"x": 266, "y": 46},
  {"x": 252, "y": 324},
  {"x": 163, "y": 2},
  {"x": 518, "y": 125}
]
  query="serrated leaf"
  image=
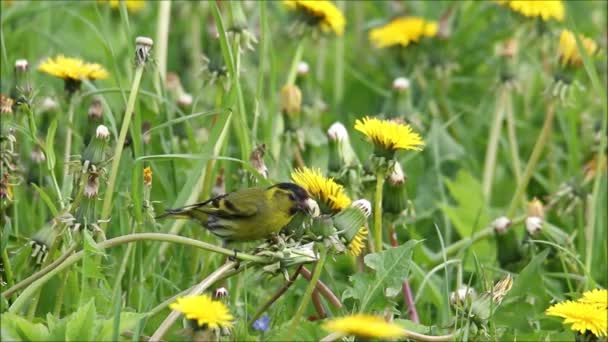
[
  {"x": 391, "y": 268},
  {"x": 14, "y": 328},
  {"x": 80, "y": 325},
  {"x": 128, "y": 320}
]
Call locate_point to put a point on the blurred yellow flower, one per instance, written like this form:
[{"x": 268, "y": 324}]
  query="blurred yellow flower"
[
  {"x": 389, "y": 136},
  {"x": 208, "y": 313},
  {"x": 568, "y": 51},
  {"x": 329, "y": 194},
  {"x": 321, "y": 12},
  {"x": 148, "y": 176},
  {"x": 132, "y": 5},
  {"x": 6, "y": 105},
  {"x": 355, "y": 247},
  {"x": 545, "y": 9},
  {"x": 597, "y": 297},
  {"x": 365, "y": 326},
  {"x": 402, "y": 31},
  {"x": 582, "y": 316},
  {"x": 72, "y": 69}
]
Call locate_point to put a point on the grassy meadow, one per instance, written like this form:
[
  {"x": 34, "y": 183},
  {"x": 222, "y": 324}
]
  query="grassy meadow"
[{"x": 456, "y": 151}]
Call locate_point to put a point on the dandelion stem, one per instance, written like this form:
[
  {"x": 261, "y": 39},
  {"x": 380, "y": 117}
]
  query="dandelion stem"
[
  {"x": 107, "y": 201},
  {"x": 513, "y": 145},
  {"x": 534, "y": 157},
  {"x": 380, "y": 175},
  {"x": 200, "y": 288},
  {"x": 490, "y": 159},
  {"x": 293, "y": 69},
  {"x": 307, "y": 295},
  {"x": 68, "y": 146}
]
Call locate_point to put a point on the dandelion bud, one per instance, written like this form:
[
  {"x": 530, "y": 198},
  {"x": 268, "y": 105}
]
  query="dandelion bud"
[
  {"x": 95, "y": 110},
  {"x": 462, "y": 295},
  {"x": 102, "y": 132},
  {"x": 6, "y": 105},
  {"x": 95, "y": 150},
  {"x": 42, "y": 241},
  {"x": 291, "y": 104},
  {"x": 256, "y": 159},
  {"x": 303, "y": 69},
  {"x": 184, "y": 100},
  {"x": 91, "y": 189},
  {"x": 501, "y": 224},
  {"x": 394, "y": 196},
  {"x": 48, "y": 105},
  {"x": 148, "y": 176},
  {"x": 220, "y": 293},
  {"x": 364, "y": 205},
  {"x": 143, "y": 46},
  {"x": 536, "y": 208},
  {"x": 349, "y": 221},
  {"x": 401, "y": 84},
  {"x": 337, "y": 132},
  {"x": 534, "y": 225},
  {"x": 21, "y": 65},
  {"x": 37, "y": 155}
]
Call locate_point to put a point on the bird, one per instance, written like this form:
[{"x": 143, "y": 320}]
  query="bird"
[{"x": 249, "y": 214}]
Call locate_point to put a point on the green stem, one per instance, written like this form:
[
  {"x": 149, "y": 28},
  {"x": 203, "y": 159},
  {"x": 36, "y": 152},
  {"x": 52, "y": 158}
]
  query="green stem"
[
  {"x": 534, "y": 158},
  {"x": 308, "y": 294},
  {"x": 275, "y": 296},
  {"x": 380, "y": 175},
  {"x": 68, "y": 147},
  {"x": 8, "y": 271},
  {"x": 513, "y": 145},
  {"x": 73, "y": 258},
  {"x": 59, "y": 297},
  {"x": 293, "y": 69},
  {"x": 490, "y": 159},
  {"x": 107, "y": 201}
]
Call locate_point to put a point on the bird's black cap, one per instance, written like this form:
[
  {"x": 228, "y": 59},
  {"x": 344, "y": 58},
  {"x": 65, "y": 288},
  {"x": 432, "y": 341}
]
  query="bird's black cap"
[{"x": 298, "y": 191}]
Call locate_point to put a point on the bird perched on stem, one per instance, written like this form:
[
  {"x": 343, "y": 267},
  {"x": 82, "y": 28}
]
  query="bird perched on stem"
[{"x": 248, "y": 214}]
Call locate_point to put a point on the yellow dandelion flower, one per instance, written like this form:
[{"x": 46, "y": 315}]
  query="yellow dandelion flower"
[
  {"x": 403, "y": 31},
  {"x": 366, "y": 326},
  {"x": 72, "y": 69},
  {"x": 321, "y": 12},
  {"x": 6, "y": 105},
  {"x": 355, "y": 247},
  {"x": 568, "y": 51},
  {"x": 582, "y": 316},
  {"x": 598, "y": 297},
  {"x": 389, "y": 136},
  {"x": 545, "y": 9},
  {"x": 207, "y": 313},
  {"x": 148, "y": 176},
  {"x": 132, "y": 5},
  {"x": 329, "y": 194}
]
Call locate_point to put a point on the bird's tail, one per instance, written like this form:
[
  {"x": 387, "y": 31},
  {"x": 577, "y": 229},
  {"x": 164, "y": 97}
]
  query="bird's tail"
[{"x": 179, "y": 213}]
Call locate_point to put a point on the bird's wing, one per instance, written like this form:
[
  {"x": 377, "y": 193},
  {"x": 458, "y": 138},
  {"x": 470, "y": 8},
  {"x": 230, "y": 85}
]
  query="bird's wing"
[{"x": 242, "y": 203}]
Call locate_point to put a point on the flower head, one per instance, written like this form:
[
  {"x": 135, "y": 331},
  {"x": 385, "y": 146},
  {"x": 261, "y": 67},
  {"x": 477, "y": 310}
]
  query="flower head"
[
  {"x": 207, "y": 313},
  {"x": 389, "y": 136},
  {"x": 132, "y": 5},
  {"x": 320, "y": 12},
  {"x": 356, "y": 245},
  {"x": 148, "y": 176},
  {"x": 545, "y": 9},
  {"x": 582, "y": 316},
  {"x": 568, "y": 51},
  {"x": 73, "y": 69},
  {"x": 402, "y": 31},
  {"x": 597, "y": 297},
  {"x": 326, "y": 191},
  {"x": 366, "y": 326},
  {"x": 6, "y": 105}
]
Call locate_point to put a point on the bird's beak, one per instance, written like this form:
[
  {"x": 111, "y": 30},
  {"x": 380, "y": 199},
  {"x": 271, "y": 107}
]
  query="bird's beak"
[{"x": 311, "y": 207}]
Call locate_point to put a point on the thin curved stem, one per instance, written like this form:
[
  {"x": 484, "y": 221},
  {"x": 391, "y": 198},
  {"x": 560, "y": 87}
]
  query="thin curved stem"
[
  {"x": 274, "y": 297},
  {"x": 44, "y": 277}
]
